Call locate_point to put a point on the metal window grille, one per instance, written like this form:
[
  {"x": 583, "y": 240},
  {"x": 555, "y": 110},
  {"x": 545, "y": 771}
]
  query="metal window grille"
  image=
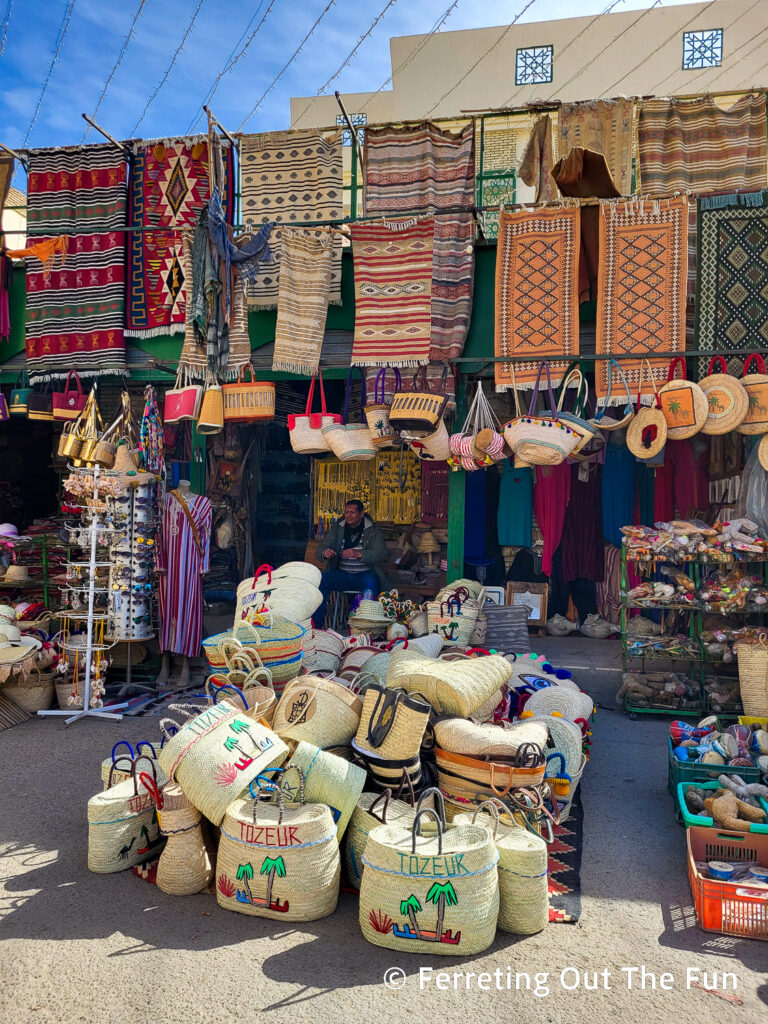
[
  {"x": 702, "y": 49},
  {"x": 534, "y": 65}
]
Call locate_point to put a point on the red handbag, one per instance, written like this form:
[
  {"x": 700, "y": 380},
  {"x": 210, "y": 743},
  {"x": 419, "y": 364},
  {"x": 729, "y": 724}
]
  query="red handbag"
[
  {"x": 182, "y": 402},
  {"x": 69, "y": 403}
]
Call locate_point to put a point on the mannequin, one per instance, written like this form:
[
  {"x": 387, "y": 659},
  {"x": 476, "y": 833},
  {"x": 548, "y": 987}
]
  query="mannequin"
[{"x": 182, "y": 557}]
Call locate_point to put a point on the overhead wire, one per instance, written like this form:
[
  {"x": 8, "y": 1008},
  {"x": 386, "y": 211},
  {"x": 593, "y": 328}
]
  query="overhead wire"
[
  {"x": 759, "y": 42},
  {"x": 63, "y": 29},
  {"x": 165, "y": 77},
  {"x": 658, "y": 48},
  {"x": 480, "y": 59},
  {"x": 116, "y": 65},
  {"x": 232, "y": 60},
  {"x": 347, "y": 60},
  {"x": 4, "y": 29},
  {"x": 414, "y": 52},
  {"x": 285, "y": 67},
  {"x": 608, "y": 10}
]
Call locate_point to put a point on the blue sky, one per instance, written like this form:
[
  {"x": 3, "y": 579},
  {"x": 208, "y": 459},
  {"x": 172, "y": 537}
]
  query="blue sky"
[{"x": 97, "y": 31}]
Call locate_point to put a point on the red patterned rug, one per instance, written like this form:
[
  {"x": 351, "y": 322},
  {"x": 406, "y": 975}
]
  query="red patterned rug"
[{"x": 565, "y": 867}]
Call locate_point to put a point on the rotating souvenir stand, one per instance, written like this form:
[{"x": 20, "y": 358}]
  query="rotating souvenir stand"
[
  {"x": 699, "y": 658},
  {"x": 92, "y": 643}
]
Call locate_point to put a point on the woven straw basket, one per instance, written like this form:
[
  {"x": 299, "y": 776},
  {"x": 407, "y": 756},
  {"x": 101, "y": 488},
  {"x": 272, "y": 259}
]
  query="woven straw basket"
[
  {"x": 215, "y": 755},
  {"x": 453, "y": 620},
  {"x": 328, "y": 780},
  {"x": 329, "y": 648},
  {"x": 684, "y": 405},
  {"x": 33, "y": 692},
  {"x": 459, "y": 736},
  {"x": 64, "y": 693},
  {"x": 184, "y": 867},
  {"x": 320, "y": 711},
  {"x": 471, "y": 780},
  {"x": 756, "y": 386},
  {"x": 452, "y": 688},
  {"x": 350, "y": 442},
  {"x": 418, "y": 623},
  {"x": 565, "y": 738},
  {"x": 278, "y": 862},
  {"x": 430, "y": 894},
  {"x": 753, "y": 678},
  {"x": 392, "y": 724},
  {"x": 111, "y": 766},
  {"x": 727, "y": 400},
  {"x": 122, "y": 824},
  {"x": 372, "y": 809},
  {"x": 523, "y": 892},
  {"x": 561, "y": 700},
  {"x": 247, "y": 401}
]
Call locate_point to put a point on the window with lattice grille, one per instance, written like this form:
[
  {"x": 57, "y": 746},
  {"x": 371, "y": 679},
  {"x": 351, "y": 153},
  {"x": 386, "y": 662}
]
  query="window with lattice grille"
[
  {"x": 533, "y": 64},
  {"x": 702, "y": 49}
]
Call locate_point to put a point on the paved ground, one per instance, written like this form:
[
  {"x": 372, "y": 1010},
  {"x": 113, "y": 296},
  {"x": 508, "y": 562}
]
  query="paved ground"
[{"x": 79, "y": 948}]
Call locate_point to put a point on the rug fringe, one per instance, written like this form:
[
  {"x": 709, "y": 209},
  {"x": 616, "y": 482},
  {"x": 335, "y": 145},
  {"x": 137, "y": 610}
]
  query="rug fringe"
[
  {"x": 187, "y": 140},
  {"x": 733, "y": 199},
  {"x": 155, "y": 332},
  {"x": 300, "y": 369}
]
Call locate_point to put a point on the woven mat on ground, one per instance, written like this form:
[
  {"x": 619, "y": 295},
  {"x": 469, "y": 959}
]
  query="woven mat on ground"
[
  {"x": 76, "y": 299},
  {"x": 169, "y": 186},
  {"x": 641, "y": 291},
  {"x": 290, "y": 177},
  {"x": 537, "y": 293},
  {"x": 732, "y": 276},
  {"x": 604, "y": 126},
  {"x": 424, "y": 169},
  {"x": 305, "y": 282},
  {"x": 696, "y": 145},
  {"x": 393, "y": 288},
  {"x": 564, "y": 866}
]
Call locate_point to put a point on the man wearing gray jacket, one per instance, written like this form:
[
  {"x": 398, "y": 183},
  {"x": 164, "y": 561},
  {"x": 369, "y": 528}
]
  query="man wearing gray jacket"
[{"x": 354, "y": 551}]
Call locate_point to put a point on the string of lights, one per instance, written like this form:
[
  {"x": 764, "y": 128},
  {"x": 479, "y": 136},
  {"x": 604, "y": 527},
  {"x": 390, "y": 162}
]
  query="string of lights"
[
  {"x": 63, "y": 29},
  {"x": 4, "y": 29},
  {"x": 116, "y": 65}
]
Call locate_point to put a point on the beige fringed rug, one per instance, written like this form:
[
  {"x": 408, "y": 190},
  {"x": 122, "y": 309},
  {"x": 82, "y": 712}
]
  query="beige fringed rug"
[{"x": 306, "y": 267}]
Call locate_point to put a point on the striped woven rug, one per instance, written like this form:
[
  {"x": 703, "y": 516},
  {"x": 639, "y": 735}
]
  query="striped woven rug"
[
  {"x": 695, "y": 145},
  {"x": 393, "y": 288},
  {"x": 425, "y": 169},
  {"x": 305, "y": 283},
  {"x": 76, "y": 304},
  {"x": 290, "y": 177}
]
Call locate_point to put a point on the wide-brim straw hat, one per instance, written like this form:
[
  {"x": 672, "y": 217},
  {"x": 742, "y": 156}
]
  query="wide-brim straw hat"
[
  {"x": 647, "y": 433},
  {"x": 727, "y": 400},
  {"x": 13, "y": 653},
  {"x": 17, "y": 574},
  {"x": 370, "y": 611}
]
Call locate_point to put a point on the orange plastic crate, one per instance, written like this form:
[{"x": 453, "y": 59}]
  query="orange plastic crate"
[{"x": 729, "y": 908}]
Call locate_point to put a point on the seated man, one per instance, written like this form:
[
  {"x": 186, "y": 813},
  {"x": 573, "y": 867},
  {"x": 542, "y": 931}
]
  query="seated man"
[{"x": 354, "y": 550}]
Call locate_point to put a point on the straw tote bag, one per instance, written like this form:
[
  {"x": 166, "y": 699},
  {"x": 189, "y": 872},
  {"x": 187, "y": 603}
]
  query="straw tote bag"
[
  {"x": 350, "y": 442},
  {"x": 210, "y": 419},
  {"x": 182, "y": 401},
  {"x": 372, "y": 809},
  {"x": 756, "y": 386},
  {"x": 248, "y": 401},
  {"x": 69, "y": 403},
  {"x": 728, "y": 401},
  {"x": 683, "y": 403},
  {"x": 216, "y": 754},
  {"x": 417, "y": 408},
  {"x": 453, "y": 620},
  {"x": 320, "y": 711},
  {"x": 184, "y": 867},
  {"x": 601, "y": 420},
  {"x": 472, "y": 779},
  {"x": 432, "y": 447},
  {"x": 111, "y": 766},
  {"x": 523, "y": 890},
  {"x": 305, "y": 430},
  {"x": 328, "y": 779},
  {"x": 277, "y": 861},
  {"x": 122, "y": 823},
  {"x": 435, "y": 894},
  {"x": 278, "y": 642},
  {"x": 392, "y": 723},
  {"x": 460, "y": 736},
  {"x": 647, "y": 433},
  {"x": 575, "y": 419},
  {"x": 377, "y": 413},
  {"x": 451, "y": 687},
  {"x": 540, "y": 439},
  {"x": 753, "y": 678}
]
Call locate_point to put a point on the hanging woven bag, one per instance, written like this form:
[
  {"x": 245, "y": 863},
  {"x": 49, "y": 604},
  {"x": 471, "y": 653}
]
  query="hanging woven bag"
[
  {"x": 523, "y": 890},
  {"x": 185, "y": 867},
  {"x": 541, "y": 439},
  {"x": 320, "y": 711},
  {"x": 683, "y": 403},
  {"x": 727, "y": 399},
  {"x": 278, "y": 861},
  {"x": 601, "y": 419},
  {"x": 350, "y": 442},
  {"x": 248, "y": 401},
  {"x": 417, "y": 408},
  {"x": 216, "y": 754},
  {"x": 756, "y": 386},
  {"x": 117, "y": 767},
  {"x": 305, "y": 430},
  {"x": 122, "y": 823},
  {"x": 434, "y": 894},
  {"x": 377, "y": 413},
  {"x": 647, "y": 432},
  {"x": 210, "y": 419}
]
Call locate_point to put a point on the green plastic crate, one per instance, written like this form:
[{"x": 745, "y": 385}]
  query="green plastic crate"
[
  {"x": 691, "y": 771},
  {"x": 685, "y": 817}
]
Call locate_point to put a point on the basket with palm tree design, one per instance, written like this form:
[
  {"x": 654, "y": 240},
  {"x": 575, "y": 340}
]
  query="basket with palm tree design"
[
  {"x": 122, "y": 821},
  {"x": 278, "y": 861},
  {"x": 377, "y": 413},
  {"x": 433, "y": 894},
  {"x": 683, "y": 403}
]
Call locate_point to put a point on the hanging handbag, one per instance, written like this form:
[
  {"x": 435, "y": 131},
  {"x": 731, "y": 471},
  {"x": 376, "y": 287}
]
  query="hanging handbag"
[
  {"x": 417, "y": 408},
  {"x": 683, "y": 403},
  {"x": 647, "y": 433},
  {"x": 383, "y": 434},
  {"x": 182, "y": 401},
  {"x": 305, "y": 430},
  {"x": 40, "y": 404},
  {"x": 248, "y": 401},
  {"x": 210, "y": 419},
  {"x": 20, "y": 395},
  {"x": 540, "y": 438},
  {"x": 69, "y": 403},
  {"x": 756, "y": 386},
  {"x": 727, "y": 399},
  {"x": 4, "y": 414},
  {"x": 432, "y": 447},
  {"x": 592, "y": 441},
  {"x": 350, "y": 442},
  {"x": 603, "y": 422}
]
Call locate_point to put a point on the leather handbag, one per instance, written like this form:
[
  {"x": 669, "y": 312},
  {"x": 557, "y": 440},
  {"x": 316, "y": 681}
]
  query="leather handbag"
[
  {"x": 183, "y": 400},
  {"x": 20, "y": 394},
  {"x": 69, "y": 403}
]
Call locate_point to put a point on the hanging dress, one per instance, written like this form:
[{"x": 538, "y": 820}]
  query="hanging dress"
[{"x": 183, "y": 552}]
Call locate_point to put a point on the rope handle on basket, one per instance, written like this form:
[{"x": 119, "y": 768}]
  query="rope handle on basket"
[
  {"x": 260, "y": 672},
  {"x": 609, "y": 374},
  {"x": 166, "y": 736},
  {"x": 439, "y": 800},
  {"x": 474, "y": 651},
  {"x": 264, "y": 564},
  {"x": 562, "y": 773},
  {"x": 406, "y": 781},
  {"x": 241, "y": 658},
  {"x": 535, "y": 393},
  {"x": 134, "y": 762},
  {"x": 302, "y": 778},
  {"x": 122, "y": 743},
  {"x": 672, "y": 368},
  {"x": 720, "y": 361},
  {"x": 151, "y": 786},
  {"x": 528, "y": 755},
  {"x": 116, "y": 763},
  {"x": 146, "y": 743},
  {"x": 494, "y": 814},
  {"x": 229, "y": 686},
  {"x": 266, "y": 784},
  {"x": 574, "y": 370},
  {"x": 643, "y": 365},
  {"x": 386, "y": 796},
  {"x": 416, "y": 830},
  {"x": 381, "y": 379},
  {"x": 758, "y": 359},
  {"x": 583, "y": 724}
]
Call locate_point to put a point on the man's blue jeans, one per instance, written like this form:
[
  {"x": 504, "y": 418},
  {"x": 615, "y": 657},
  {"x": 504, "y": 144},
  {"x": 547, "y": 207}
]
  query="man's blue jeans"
[{"x": 337, "y": 579}]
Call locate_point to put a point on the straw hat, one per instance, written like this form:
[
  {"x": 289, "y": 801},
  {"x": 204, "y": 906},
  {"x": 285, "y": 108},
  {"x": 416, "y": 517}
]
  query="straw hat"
[
  {"x": 124, "y": 460},
  {"x": 727, "y": 400},
  {"x": 7, "y": 613},
  {"x": 684, "y": 405},
  {"x": 370, "y": 612},
  {"x": 647, "y": 433},
  {"x": 13, "y": 653},
  {"x": 17, "y": 574}
]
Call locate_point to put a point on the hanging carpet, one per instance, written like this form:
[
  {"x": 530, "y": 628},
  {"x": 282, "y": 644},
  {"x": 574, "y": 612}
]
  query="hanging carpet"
[
  {"x": 537, "y": 293},
  {"x": 641, "y": 291},
  {"x": 76, "y": 284},
  {"x": 603, "y": 126},
  {"x": 291, "y": 177},
  {"x": 732, "y": 276},
  {"x": 306, "y": 268},
  {"x": 169, "y": 186},
  {"x": 695, "y": 145}
]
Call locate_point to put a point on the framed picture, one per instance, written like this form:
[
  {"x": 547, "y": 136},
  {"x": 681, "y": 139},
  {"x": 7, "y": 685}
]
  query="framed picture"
[{"x": 535, "y": 596}]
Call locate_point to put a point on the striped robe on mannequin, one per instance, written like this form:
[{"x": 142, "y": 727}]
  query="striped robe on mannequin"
[{"x": 181, "y": 588}]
